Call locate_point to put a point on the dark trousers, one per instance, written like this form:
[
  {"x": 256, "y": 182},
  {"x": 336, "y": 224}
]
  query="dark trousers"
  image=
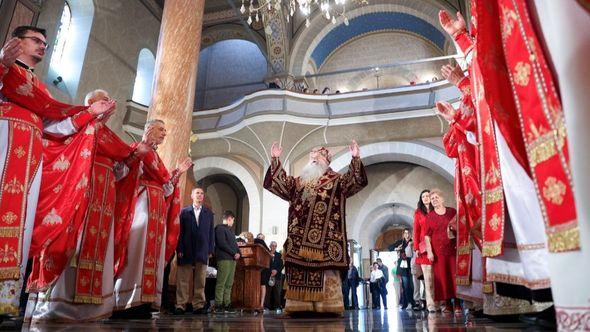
[
  {"x": 352, "y": 290},
  {"x": 273, "y": 295},
  {"x": 378, "y": 291},
  {"x": 345, "y": 294},
  {"x": 407, "y": 292}
]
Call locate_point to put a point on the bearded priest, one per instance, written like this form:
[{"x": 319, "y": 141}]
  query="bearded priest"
[{"x": 316, "y": 247}]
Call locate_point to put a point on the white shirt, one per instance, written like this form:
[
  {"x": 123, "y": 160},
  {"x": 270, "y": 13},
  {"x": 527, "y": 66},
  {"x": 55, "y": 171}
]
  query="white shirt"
[
  {"x": 376, "y": 274},
  {"x": 197, "y": 211}
]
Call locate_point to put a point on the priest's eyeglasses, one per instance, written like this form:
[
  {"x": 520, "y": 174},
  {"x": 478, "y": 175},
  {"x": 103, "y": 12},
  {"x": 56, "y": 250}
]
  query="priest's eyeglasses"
[{"x": 36, "y": 40}]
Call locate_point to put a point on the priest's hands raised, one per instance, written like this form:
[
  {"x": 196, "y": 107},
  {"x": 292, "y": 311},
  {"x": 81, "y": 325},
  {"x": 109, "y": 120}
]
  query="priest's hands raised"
[
  {"x": 10, "y": 52},
  {"x": 355, "y": 151},
  {"x": 452, "y": 74},
  {"x": 450, "y": 25},
  {"x": 185, "y": 165},
  {"x": 446, "y": 110},
  {"x": 276, "y": 150},
  {"x": 102, "y": 107}
]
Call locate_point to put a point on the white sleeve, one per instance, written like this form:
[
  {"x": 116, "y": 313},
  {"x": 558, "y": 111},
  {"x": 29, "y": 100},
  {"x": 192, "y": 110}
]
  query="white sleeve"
[
  {"x": 471, "y": 138},
  {"x": 121, "y": 171},
  {"x": 59, "y": 128}
]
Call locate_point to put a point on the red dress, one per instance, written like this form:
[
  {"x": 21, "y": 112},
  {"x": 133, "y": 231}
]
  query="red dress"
[
  {"x": 419, "y": 232},
  {"x": 445, "y": 251}
]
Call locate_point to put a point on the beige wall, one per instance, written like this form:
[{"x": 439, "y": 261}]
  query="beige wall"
[{"x": 120, "y": 29}]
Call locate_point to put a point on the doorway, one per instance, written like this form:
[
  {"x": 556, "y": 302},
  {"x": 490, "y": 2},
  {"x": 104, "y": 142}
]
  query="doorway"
[{"x": 389, "y": 259}]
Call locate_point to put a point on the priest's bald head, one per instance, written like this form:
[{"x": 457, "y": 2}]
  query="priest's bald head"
[{"x": 319, "y": 162}]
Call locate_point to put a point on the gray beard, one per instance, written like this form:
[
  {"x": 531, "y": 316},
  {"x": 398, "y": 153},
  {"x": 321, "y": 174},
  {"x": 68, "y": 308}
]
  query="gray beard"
[{"x": 311, "y": 172}]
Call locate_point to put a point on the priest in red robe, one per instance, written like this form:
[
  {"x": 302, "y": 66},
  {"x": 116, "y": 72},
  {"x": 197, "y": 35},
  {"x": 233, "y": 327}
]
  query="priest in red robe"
[
  {"x": 82, "y": 290},
  {"x": 511, "y": 218},
  {"x": 315, "y": 251},
  {"x": 146, "y": 238},
  {"x": 27, "y": 110}
]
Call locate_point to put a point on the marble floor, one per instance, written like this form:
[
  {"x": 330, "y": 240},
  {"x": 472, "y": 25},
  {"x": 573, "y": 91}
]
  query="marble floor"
[{"x": 359, "y": 320}]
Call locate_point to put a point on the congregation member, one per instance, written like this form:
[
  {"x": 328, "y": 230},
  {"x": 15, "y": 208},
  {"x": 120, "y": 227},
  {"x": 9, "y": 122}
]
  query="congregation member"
[
  {"x": 350, "y": 290},
  {"x": 315, "y": 255},
  {"x": 195, "y": 246},
  {"x": 275, "y": 279},
  {"x": 27, "y": 114},
  {"x": 423, "y": 208},
  {"x": 404, "y": 271},
  {"x": 441, "y": 250},
  {"x": 227, "y": 253},
  {"x": 264, "y": 273},
  {"x": 377, "y": 287},
  {"x": 397, "y": 286},
  {"x": 146, "y": 239},
  {"x": 83, "y": 289}
]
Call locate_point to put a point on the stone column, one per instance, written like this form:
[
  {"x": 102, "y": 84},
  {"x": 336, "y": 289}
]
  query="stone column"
[{"x": 176, "y": 76}]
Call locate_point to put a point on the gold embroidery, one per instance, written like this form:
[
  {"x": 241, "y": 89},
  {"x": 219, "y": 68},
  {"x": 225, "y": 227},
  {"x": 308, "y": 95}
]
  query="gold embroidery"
[
  {"x": 9, "y": 217},
  {"x": 19, "y": 152},
  {"x": 61, "y": 164},
  {"x": 564, "y": 240},
  {"x": 10, "y": 231},
  {"x": 7, "y": 254},
  {"x": 554, "y": 190},
  {"x": 509, "y": 16},
  {"x": 83, "y": 183},
  {"x": 493, "y": 176},
  {"x": 462, "y": 264},
  {"x": 52, "y": 218},
  {"x": 494, "y": 222},
  {"x": 494, "y": 196},
  {"x": 522, "y": 73},
  {"x": 85, "y": 153},
  {"x": 14, "y": 187}
]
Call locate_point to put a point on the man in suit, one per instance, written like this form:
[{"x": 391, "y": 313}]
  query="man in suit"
[
  {"x": 273, "y": 297},
  {"x": 195, "y": 246},
  {"x": 352, "y": 283}
]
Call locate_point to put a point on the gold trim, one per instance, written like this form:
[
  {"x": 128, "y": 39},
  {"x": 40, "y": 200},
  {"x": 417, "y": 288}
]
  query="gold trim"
[
  {"x": 462, "y": 281},
  {"x": 516, "y": 280},
  {"x": 493, "y": 196},
  {"x": 9, "y": 231},
  {"x": 491, "y": 249},
  {"x": 10, "y": 273},
  {"x": 564, "y": 240}
]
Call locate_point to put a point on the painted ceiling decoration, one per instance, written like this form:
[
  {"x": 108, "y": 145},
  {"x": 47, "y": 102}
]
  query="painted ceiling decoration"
[{"x": 374, "y": 22}]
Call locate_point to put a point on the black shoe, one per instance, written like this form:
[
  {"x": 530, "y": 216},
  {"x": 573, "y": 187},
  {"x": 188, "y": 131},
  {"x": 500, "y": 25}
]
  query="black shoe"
[
  {"x": 178, "y": 311},
  {"x": 201, "y": 311},
  {"x": 229, "y": 310}
]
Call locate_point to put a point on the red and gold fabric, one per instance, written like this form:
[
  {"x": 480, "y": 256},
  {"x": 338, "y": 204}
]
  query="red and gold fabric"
[
  {"x": 515, "y": 60},
  {"x": 98, "y": 222},
  {"x": 22, "y": 161},
  {"x": 492, "y": 195},
  {"x": 466, "y": 189},
  {"x": 316, "y": 236},
  {"x": 419, "y": 244},
  {"x": 29, "y": 100},
  {"x": 66, "y": 186},
  {"x": 162, "y": 220}
]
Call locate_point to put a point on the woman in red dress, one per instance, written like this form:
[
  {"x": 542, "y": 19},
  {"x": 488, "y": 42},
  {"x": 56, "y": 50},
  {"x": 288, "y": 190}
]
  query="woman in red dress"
[
  {"x": 441, "y": 250},
  {"x": 424, "y": 207}
]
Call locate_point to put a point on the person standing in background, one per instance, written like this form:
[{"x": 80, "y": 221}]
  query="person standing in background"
[{"x": 226, "y": 253}]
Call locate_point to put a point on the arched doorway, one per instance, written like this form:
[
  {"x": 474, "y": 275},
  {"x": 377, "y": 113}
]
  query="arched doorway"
[{"x": 226, "y": 192}]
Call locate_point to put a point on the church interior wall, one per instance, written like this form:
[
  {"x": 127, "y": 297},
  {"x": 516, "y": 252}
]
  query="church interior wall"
[{"x": 120, "y": 29}]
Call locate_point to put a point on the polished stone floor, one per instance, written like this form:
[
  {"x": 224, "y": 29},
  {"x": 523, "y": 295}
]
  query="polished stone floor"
[{"x": 360, "y": 320}]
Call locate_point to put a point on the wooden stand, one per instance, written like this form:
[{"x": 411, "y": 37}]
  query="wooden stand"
[{"x": 246, "y": 289}]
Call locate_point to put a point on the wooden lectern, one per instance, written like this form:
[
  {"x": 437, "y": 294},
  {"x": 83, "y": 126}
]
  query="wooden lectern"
[{"x": 245, "y": 292}]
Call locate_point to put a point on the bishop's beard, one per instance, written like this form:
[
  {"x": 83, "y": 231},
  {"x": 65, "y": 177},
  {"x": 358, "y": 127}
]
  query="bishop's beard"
[{"x": 312, "y": 171}]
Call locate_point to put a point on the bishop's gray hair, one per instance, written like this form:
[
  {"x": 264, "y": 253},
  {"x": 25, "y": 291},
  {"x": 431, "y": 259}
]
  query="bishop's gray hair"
[{"x": 93, "y": 94}]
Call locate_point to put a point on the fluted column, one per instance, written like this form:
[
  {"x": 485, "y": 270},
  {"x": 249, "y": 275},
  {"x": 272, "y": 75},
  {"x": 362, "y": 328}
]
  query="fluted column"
[{"x": 176, "y": 75}]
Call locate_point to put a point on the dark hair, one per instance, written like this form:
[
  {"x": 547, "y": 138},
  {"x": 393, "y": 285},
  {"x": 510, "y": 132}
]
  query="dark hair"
[
  {"x": 20, "y": 31},
  {"x": 421, "y": 205},
  {"x": 227, "y": 214}
]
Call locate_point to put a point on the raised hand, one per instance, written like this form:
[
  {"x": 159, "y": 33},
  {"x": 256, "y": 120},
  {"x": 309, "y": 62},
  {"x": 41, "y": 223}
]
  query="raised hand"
[
  {"x": 142, "y": 149},
  {"x": 446, "y": 110},
  {"x": 450, "y": 25},
  {"x": 452, "y": 74},
  {"x": 185, "y": 165},
  {"x": 354, "y": 149},
  {"x": 276, "y": 150},
  {"x": 10, "y": 52},
  {"x": 102, "y": 106}
]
